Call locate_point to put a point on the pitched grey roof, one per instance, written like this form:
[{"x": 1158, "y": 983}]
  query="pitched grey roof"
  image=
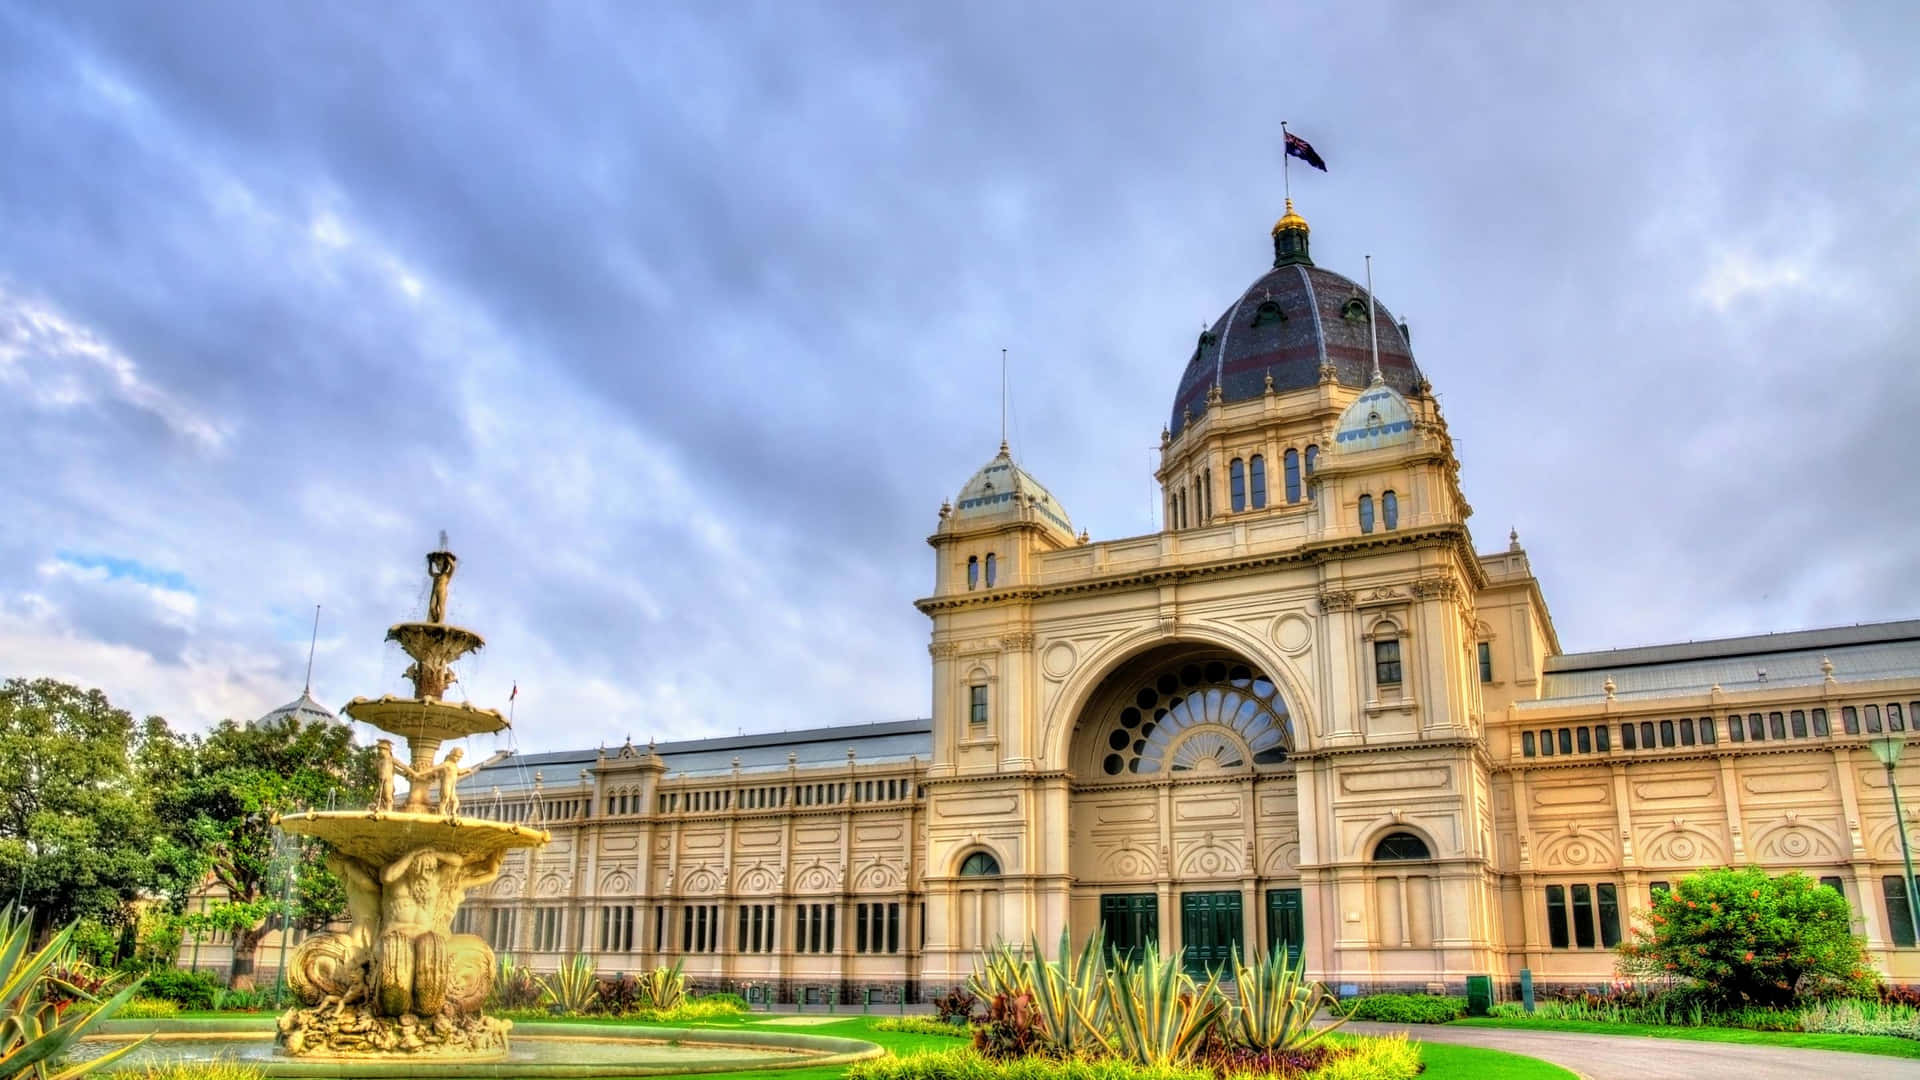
[
  {"x": 881, "y": 743},
  {"x": 1861, "y": 652}
]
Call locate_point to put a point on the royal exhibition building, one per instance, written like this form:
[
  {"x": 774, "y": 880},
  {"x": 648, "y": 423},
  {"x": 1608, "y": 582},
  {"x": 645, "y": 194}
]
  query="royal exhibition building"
[{"x": 1311, "y": 711}]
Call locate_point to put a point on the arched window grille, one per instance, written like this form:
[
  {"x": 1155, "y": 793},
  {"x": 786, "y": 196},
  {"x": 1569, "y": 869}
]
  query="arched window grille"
[
  {"x": 1237, "y": 484},
  {"x": 973, "y": 571},
  {"x": 1155, "y": 729},
  {"x": 993, "y": 569},
  {"x": 1366, "y": 513},
  {"x": 1257, "y": 480},
  {"x": 1291, "y": 466},
  {"x": 1390, "y": 510},
  {"x": 1400, "y": 847},
  {"x": 981, "y": 864}
]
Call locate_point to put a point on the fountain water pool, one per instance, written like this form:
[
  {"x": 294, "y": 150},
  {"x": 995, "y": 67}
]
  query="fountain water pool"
[{"x": 538, "y": 1050}]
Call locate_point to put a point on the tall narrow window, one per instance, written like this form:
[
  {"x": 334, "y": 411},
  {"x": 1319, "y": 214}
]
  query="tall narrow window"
[
  {"x": 1313, "y": 461},
  {"x": 1390, "y": 510},
  {"x": 1899, "y": 917},
  {"x": 1873, "y": 719},
  {"x": 1799, "y": 722},
  {"x": 1627, "y": 741},
  {"x": 1609, "y": 900},
  {"x": 1237, "y": 485},
  {"x": 1557, "y": 916},
  {"x": 1486, "y": 662},
  {"x": 1895, "y": 722},
  {"x": 977, "y": 704},
  {"x": 973, "y": 571},
  {"x": 1366, "y": 513},
  {"x": 993, "y": 566},
  {"x": 1386, "y": 662},
  {"x": 1583, "y": 916},
  {"x": 1290, "y": 469},
  {"x": 1820, "y": 723},
  {"x": 1206, "y": 486},
  {"x": 1257, "y": 480},
  {"x": 1849, "y": 720}
]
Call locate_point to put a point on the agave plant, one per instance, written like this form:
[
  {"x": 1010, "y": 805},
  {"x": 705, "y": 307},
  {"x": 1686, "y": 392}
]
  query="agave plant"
[
  {"x": 663, "y": 988},
  {"x": 1159, "y": 1015},
  {"x": 1070, "y": 994},
  {"x": 36, "y": 1027},
  {"x": 1277, "y": 1004},
  {"x": 573, "y": 989},
  {"x": 1002, "y": 971}
]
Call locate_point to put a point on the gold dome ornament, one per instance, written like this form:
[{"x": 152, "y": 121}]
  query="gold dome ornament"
[{"x": 1290, "y": 220}]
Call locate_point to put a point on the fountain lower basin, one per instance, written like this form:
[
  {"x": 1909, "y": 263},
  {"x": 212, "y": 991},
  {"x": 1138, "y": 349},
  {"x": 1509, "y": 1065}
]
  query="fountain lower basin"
[{"x": 539, "y": 1049}]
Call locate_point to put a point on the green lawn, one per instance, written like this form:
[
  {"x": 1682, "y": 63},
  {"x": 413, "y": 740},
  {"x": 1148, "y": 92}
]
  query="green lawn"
[
  {"x": 1443, "y": 1062},
  {"x": 1883, "y": 1045}
]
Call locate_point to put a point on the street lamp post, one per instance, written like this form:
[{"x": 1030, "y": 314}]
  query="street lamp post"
[{"x": 1888, "y": 749}]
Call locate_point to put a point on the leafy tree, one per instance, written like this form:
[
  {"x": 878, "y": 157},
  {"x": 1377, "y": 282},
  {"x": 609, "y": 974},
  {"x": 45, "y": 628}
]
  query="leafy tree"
[
  {"x": 220, "y": 805},
  {"x": 1749, "y": 938},
  {"x": 76, "y": 831}
]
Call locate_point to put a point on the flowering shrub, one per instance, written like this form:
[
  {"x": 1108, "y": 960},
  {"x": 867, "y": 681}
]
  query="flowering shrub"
[{"x": 1747, "y": 938}]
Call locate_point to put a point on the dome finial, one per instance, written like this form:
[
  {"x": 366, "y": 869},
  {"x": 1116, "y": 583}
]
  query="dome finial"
[{"x": 1290, "y": 239}]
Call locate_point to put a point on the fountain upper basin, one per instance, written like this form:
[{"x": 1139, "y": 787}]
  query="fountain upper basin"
[{"x": 381, "y": 837}]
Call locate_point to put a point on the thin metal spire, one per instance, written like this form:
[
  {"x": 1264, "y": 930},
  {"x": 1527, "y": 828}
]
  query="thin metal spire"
[
  {"x": 1003, "y": 399},
  {"x": 1373, "y": 329},
  {"x": 311, "y": 642}
]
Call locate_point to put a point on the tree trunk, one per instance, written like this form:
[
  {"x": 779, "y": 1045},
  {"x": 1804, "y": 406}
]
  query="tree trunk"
[{"x": 246, "y": 944}]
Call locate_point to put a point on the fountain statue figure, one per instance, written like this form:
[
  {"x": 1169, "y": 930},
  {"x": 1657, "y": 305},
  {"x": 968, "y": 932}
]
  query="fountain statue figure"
[{"x": 398, "y": 982}]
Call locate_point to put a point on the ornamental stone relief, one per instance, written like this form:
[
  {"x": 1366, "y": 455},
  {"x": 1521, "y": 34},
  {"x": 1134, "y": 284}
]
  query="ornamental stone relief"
[
  {"x": 1795, "y": 839},
  {"x": 1681, "y": 844},
  {"x": 1209, "y": 858},
  {"x": 1575, "y": 847}
]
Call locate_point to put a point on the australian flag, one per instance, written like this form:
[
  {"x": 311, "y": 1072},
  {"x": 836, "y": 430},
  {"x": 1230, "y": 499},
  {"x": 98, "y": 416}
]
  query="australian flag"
[{"x": 1300, "y": 148}]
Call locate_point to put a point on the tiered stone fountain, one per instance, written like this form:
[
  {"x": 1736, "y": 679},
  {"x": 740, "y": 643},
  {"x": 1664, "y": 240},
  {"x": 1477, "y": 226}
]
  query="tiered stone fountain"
[{"x": 399, "y": 982}]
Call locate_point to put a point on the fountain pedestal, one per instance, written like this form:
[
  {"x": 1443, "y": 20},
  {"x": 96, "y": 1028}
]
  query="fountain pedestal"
[{"x": 398, "y": 981}]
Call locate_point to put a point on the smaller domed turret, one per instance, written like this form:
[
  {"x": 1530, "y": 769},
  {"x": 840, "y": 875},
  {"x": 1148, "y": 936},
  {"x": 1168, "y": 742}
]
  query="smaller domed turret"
[
  {"x": 1379, "y": 417},
  {"x": 1003, "y": 488}
]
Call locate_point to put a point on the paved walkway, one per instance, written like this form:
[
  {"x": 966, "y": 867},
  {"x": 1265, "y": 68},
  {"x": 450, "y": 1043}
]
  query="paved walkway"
[{"x": 1637, "y": 1057}]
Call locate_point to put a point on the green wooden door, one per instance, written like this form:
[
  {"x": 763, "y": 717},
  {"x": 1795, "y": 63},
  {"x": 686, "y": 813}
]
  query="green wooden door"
[
  {"x": 1211, "y": 927},
  {"x": 1286, "y": 924},
  {"x": 1130, "y": 921}
]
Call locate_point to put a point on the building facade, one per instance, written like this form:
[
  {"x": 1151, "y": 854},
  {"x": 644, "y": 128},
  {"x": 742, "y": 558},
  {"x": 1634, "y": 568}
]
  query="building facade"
[{"x": 1307, "y": 712}]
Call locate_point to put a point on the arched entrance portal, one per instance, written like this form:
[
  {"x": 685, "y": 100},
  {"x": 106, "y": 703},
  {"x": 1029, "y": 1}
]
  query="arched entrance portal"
[{"x": 1184, "y": 816}]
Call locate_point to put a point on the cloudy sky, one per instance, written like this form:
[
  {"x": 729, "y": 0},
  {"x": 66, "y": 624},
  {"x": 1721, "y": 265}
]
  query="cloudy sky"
[{"x": 682, "y": 321}]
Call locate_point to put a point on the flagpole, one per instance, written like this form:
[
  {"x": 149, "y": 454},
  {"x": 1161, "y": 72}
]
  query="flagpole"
[
  {"x": 1373, "y": 328},
  {"x": 1286, "y": 171}
]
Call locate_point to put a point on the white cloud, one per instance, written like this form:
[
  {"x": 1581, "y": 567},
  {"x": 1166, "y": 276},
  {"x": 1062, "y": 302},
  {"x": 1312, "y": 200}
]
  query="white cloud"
[{"x": 58, "y": 365}]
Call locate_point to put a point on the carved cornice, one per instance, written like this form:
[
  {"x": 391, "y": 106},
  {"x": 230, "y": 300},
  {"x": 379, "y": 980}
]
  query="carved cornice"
[
  {"x": 1437, "y": 588},
  {"x": 943, "y": 650},
  {"x": 1017, "y": 641},
  {"x": 1311, "y": 554}
]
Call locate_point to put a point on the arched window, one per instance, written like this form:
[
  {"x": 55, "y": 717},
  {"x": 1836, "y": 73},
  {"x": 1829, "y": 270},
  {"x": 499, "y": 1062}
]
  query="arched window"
[
  {"x": 973, "y": 571},
  {"x": 1257, "y": 469},
  {"x": 983, "y": 864},
  {"x": 1366, "y": 513},
  {"x": 992, "y": 569},
  {"x": 1400, "y": 847},
  {"x": 1313, "y": 461},
  {"x": 1291, "y": 466},
  {"x": 1390, "y": 510},
  {"x": 1237, "y": 484}
]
